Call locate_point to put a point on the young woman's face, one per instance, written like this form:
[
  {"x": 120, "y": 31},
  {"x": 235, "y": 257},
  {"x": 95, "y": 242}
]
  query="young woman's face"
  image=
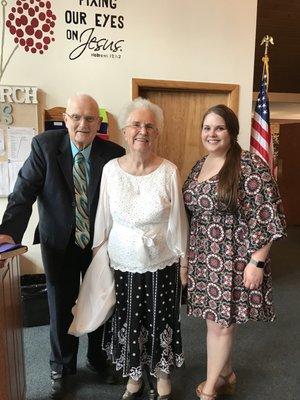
[{"x": 215, "y": 136}]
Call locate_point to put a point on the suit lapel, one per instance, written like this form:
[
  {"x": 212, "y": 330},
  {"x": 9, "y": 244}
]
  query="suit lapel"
[
  {"x": 65, "y": 162},
  {"x": 97, "y": 162}
]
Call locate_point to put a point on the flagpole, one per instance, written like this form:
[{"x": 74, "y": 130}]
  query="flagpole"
[{"x": 261, "y": 137}]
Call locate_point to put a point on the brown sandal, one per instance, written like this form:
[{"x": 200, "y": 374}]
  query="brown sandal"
[
  {"x": 228, "y": 388},
  {"x": 202, "y": 395}
]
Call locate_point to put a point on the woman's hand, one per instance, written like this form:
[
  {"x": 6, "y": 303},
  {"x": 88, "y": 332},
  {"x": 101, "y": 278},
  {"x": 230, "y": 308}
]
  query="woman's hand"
[
  {"x": 253, "y": 276},
  {"x": 184, "y": 275}
]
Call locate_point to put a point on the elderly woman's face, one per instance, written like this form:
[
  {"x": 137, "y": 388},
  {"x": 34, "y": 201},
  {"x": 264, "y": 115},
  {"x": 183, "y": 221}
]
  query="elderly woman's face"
[{"x": 141, "y": 131}]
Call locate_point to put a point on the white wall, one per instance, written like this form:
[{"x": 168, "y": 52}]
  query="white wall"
[{"x": 190, "y": 40}]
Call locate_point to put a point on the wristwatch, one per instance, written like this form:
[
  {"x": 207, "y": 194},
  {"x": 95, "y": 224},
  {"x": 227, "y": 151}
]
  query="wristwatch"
[{"x": 258, "y": 264}]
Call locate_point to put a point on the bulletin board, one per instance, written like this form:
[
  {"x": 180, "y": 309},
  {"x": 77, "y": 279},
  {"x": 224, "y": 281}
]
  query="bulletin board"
[{"x": 21, "y": 117}]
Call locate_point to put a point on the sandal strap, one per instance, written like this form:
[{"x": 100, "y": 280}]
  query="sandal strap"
[
  {"x": 208, "y": 396},
  {"x": 226, "y": 378}
]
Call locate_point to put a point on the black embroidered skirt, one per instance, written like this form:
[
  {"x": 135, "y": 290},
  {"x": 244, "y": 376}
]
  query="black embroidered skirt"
[{"x": 145, "y": 329}]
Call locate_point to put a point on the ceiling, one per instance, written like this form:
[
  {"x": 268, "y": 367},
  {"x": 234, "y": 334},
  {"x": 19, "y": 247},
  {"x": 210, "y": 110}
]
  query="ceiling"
[{"x": 281, "y": 20}]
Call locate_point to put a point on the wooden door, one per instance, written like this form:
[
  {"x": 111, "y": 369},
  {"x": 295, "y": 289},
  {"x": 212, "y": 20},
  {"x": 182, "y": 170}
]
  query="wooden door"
[
  {"x": 289, "y": 171},
  {"x": 184, "y": 104}
]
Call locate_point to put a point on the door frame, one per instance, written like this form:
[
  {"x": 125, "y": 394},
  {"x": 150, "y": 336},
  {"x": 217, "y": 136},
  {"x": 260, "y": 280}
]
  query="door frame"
[{"x": 232, "y": 90}]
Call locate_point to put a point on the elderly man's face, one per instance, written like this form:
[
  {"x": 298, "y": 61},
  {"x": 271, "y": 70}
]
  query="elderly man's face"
[{"x": 82, "y": 120}]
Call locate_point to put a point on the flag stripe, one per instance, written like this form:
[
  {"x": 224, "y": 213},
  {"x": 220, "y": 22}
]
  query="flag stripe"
[
  {"x": 260, "y": 150},
  {"x": 257, "y": 127}
]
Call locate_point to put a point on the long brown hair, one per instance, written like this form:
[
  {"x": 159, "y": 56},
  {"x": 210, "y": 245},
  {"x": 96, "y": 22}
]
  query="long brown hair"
[{"x": 229, "y": 174}]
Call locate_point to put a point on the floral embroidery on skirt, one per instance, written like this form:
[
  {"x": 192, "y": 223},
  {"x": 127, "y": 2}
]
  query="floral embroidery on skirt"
[{"x": 145, "y": 329}]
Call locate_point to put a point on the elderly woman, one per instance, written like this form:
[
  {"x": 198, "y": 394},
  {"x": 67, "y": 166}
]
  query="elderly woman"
[
  {"x": 142, "y": 218},
  {"x": 236, "y": 214}
]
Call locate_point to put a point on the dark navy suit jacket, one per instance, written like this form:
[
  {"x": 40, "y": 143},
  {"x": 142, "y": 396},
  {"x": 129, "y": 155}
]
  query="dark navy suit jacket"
[{"x": 47, "y": 176}]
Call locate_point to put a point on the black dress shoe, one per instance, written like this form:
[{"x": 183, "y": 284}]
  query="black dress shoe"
[
  {"x": 106, "y": 372},
  {"x": 58, "y": 386},
  {"x": 152, "y": 394}
]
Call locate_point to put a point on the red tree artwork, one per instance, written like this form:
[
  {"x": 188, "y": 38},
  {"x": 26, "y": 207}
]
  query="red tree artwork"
[{"x": 31, "y": 23}]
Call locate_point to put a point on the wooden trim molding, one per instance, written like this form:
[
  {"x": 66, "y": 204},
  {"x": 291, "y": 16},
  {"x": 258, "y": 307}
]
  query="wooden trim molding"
[{"x": 208, "y": 87}]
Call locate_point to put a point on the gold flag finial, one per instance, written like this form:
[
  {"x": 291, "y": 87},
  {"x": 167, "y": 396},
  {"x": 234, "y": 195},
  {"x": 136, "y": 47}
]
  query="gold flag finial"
[{"x": 267, "y": 39}]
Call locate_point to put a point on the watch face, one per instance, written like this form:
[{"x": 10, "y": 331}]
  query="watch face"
[{"x": 260, "y": 264}]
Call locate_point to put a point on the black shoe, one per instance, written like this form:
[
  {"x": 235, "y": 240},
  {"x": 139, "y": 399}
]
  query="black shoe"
[
  {"x": 106, "y": 372},
  {"x": 134, "y": 396},
  {"x": 152, "y": 394},
  {"x": 58, "y": 386}
]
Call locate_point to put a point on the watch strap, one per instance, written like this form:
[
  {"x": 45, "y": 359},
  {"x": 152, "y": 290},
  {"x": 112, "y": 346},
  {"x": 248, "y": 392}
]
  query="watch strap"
[{"x": 258, "y": 264}]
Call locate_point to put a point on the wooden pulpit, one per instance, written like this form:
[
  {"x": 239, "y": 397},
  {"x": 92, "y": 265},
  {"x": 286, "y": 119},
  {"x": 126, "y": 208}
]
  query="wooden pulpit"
[{"x": 12, "y": 367}]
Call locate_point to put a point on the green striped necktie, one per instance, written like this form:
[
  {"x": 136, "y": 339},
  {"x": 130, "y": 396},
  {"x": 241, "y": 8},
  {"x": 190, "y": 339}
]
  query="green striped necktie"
[{"x": 82, "y": 232}]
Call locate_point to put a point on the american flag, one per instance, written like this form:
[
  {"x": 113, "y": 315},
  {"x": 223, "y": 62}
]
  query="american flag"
[{"x": 261, "y": 138}]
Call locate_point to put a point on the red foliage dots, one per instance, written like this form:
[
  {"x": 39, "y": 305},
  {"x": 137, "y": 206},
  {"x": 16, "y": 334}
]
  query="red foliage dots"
[
  {"x": 29, "y": 42},
  {"x": 24, "y": 20},
  {"x": 34, "y": 22},
  {"x": 42, "y": 16},
  {"x": 19, "y": 33},
  {"x": 46, "y": 28},
  {"x": 31, "y": 22},
  {"x": 29, "y": 30},
  {"x": 31, "y": 11},
  {"x": 38, "y": 34}
]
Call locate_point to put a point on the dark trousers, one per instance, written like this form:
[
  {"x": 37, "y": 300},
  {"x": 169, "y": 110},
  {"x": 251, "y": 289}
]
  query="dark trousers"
[{"x": 63, "y": 274}]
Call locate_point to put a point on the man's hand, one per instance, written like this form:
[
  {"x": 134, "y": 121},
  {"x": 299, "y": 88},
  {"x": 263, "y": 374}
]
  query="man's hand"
[{"x": 6, "y": 239}]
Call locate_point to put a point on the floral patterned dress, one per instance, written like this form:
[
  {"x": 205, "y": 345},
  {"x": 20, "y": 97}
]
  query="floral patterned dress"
[{"x": 222, "y": 242}]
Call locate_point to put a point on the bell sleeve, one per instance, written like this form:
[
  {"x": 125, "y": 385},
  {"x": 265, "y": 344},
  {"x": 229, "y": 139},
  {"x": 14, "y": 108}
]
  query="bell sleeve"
[
  {"x": 261, "y": 204},
  {"x": 103, "y": 220},
  {"x": 177, "y": 231},
  {"x": 96, "y": 300}
]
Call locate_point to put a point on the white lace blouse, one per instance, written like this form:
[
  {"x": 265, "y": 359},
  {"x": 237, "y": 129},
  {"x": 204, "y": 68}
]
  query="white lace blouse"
[{"x": 142, "y": 218}]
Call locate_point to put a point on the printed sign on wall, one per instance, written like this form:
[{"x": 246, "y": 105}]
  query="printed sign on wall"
[{"x": 95, "y": 33}]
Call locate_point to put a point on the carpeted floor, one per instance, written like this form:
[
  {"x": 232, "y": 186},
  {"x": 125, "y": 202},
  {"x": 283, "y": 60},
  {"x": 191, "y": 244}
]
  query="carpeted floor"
[{"x": 266, "y": 357}]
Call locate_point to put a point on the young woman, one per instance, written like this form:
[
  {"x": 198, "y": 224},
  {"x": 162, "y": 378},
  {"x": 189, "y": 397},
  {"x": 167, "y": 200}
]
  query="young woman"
[{"x": 236, "y": 214}]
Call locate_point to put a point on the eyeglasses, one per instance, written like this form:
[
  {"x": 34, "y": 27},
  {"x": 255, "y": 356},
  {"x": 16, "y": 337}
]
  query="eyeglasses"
[
  {"x": 87, "y": 118},
  {"x": 137, "y": 126}
]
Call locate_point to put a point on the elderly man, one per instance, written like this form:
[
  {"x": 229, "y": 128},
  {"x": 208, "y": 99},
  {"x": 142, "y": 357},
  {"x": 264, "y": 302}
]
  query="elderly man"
[{"x": 63, "y": 172}]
